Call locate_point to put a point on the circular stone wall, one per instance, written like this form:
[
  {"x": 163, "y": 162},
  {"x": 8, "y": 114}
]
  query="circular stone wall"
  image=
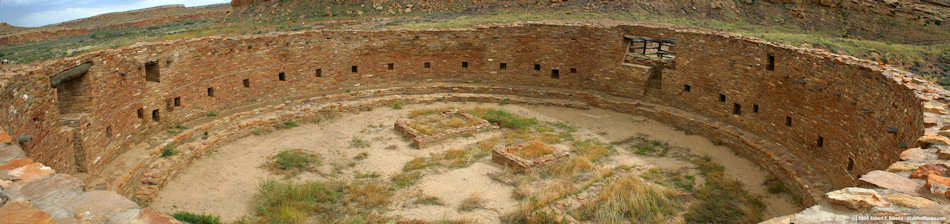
[{"x": 816, "y": 120}]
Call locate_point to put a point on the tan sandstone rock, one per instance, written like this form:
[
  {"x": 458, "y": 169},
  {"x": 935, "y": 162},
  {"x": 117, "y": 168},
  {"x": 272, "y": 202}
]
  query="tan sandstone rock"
[
  {"x": 891, "y": 181},
  {"x": 856, "y": 198},
  {"x": 914, "y": 154},
  {"x": 902, "y": 166},
  {"x": 149, "y": 216},
  {"x": 934, "y": 139},
  {"x": 943, "y": 154},
  {"x": 933, "y": 107},
  {"x": 22, "y": 212},
  {"x": 98, "y": 206},
  {"x": 31, "y": 172},
  {"x": 930, "y": 122},
  {"x": 939, "y": 185},
  {"x": 935, "y": 169},
  {"x": 909, "y": 201}
]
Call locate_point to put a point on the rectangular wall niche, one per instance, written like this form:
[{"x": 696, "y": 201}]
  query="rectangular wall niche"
[
  {"x": 464, "y": 64},
  {"x": 771, "y": 65},
  {"x": 390, "y": 66},
  {"x": 211, "y": 91},
  {"x": 281, "y": 76},
  {"x": 503, "y": 66},
  {"x": 141, "y": 113},
  {"x": 427, "y": 65},
  {"x": 722, "y": 98},
  {"x": 177, "y": 101},
  {"x": 72, "y": 88},
  {"x": 319, "y": 73},
  {"x": 156, "y": 116},
  {"x": 247, "y": 83},
  {"x": 555, "y": 74},
  {"x": 152, "y": 72},
  {"x": 354, "y": 69},
  {"x": 736, "y": 109}
]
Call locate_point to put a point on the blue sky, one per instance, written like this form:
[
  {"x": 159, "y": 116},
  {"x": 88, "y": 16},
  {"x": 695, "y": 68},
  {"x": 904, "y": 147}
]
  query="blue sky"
[{"x": 33, "y": 13}]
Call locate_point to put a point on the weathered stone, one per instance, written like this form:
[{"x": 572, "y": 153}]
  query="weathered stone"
[
  {"x": 149, "y": 216},
  {"x": 930, "y": 122},
  {"x": 909, "y": 201},
  {"x": 856, "y": 198},
  {"x": 891, "y": 181},
  {"x": 944, "y": 132},
  {"x": 124, "y": 217},
  {"x": 924, "y": 170},
  {"x": 939, "y": 185},
  {"x": 16, "y": 164},
  {"x": 22, "y": 212},
  {"x": 9, "y": 152},
  {"x": 934, "y": 139},
  {"x": 934, "y": 107},
  {"x": 943, "y": 153},
  {"x": 31, "y": 172},
  {"x": 50, "y": 194},
  {"x": 97, "y": 206},
  {"x": 5, "y": 137},
  {"x": 914, "y": 154},
  {"x": 902, "y": 166}
]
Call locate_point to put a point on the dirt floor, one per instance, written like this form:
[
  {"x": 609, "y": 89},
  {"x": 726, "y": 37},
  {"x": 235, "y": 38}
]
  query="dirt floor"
[{"x": 225, "y": 182}]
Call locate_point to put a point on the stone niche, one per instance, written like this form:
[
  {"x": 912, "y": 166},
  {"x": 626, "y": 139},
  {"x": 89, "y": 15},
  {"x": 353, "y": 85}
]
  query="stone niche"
[
  {"x": 522, "y": 157},
  {"x": 430, "y": 129}
]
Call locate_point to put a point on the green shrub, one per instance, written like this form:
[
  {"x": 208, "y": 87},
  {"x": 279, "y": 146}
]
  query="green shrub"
[
  {"x": 294, "y": 161},
  {"x": 503, "y": 118},
  {"x": 196, "y": 218},
  {"x": 169, "y": 150},
  {"x": 357, "y": 142},
  {"x": 398, "y": 105},
  {"x": 211, "y": 114}
]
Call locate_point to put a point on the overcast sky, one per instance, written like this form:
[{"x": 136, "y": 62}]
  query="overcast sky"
[{"x": 33, "y": 13}]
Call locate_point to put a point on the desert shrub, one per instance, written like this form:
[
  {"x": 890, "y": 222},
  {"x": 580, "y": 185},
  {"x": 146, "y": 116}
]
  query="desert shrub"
[
  {"x": 398, "y": 105},
  {"x": 294, "y": 161},
  {"x": 533, "y": 150},
  {"x": 357, "y": 142},
  {"x": 471, "y": 202},
  {"x": 503, "y": 118},
  {"x": 169, "y": 150},
  {"x": 630, "y": 200},
  {"x": 193, "y": 218},
  {"x": 722, "y": 200},
  {"x": 592, "y": 149}
]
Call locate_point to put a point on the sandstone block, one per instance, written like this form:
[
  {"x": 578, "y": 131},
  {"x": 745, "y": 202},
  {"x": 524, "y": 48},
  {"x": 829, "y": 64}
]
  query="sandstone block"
[
  {"x": 149, "y": 216},
  {"x": 9, "y": 152},
  {"x": 930, "y": 169},
  {"x": 891, "y": 181},
  {"x": 934, "y": 107},
  {"x": 902, "y": 166},
  {"x": 934, "y": 139},
  {"x": 16, "y": 164},
  {"x": 98, "y": 206},
  {"x": 856, "y": 198},
  {"x": 50, "y": 194},
  {"x": 909, "y": 201},
  {"x": 22, "y": 212},
  {"x": 939, "y": 185},
  {"x": 31, "y": 172},
  {"x": 124, "y": 217},
  {"x": 914, "y": 154},
  {"x": 930, "y": 122},
  {"x": 943, "y": 154},
  {"x": 5, "y": 137}
]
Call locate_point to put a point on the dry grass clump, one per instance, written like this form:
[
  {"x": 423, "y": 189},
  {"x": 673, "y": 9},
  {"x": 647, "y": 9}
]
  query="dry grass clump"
[
  {"x": 423, "y": 112},
  {"x": 723, "y": 200},
  {"x": 593, "y": 150},
  {"x": 630, "y": 200},
  {"x": 452, "y": 158},
  {"x": 472, "y": 202},
  {"x": 569, "y": 168},
  {"x": 320, "y": 202},
  {"x": 503, "y": 118},
  {"x": 533, "y": 150},
  {"x": 291, "y": 162}
]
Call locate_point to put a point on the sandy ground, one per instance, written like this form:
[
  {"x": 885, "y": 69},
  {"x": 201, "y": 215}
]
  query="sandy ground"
[{"x": 225, "y": 182}]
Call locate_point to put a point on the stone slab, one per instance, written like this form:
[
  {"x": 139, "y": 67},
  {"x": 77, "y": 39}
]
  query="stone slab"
[{"x": 888, "y": 180}]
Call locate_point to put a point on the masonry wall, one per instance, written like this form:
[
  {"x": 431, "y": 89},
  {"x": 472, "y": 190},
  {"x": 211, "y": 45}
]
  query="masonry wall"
[{"x": 850, "y": 106}]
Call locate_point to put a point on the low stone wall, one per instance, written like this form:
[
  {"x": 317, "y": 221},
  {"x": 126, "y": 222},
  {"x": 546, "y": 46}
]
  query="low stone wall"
[
  {"x": 505, "y": 157},
  {"x": 421, "y": 140}
]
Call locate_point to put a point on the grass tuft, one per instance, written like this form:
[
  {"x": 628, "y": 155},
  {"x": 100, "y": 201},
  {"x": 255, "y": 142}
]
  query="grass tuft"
[
  {"x": 503, "y": 118},
  {"x": 472, "y": 202},
  {"x": 193, "y": 218},
  {"x": 630, "y": 200},
  {"x": 169, "y": 150},
  {"x": 357, "y": 142},
  {"x": 294, "y": 161}
]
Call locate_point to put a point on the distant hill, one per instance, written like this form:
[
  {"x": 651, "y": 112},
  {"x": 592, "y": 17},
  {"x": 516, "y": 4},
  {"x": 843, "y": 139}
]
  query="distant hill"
[{"x": 136, "y": 18}]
